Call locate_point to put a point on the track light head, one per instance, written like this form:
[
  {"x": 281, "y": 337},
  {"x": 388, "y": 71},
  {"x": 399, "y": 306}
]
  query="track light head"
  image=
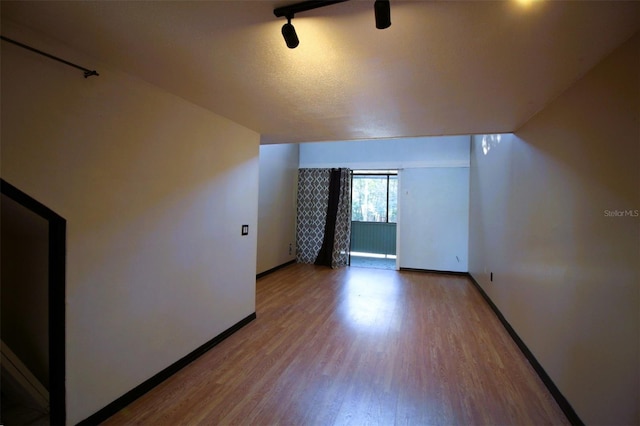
[
  {"x": 382, "y": 10},
  {"x": 289, "y": 34}
]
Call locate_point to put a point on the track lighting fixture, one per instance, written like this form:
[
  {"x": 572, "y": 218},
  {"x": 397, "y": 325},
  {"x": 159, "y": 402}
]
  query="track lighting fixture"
[
  {"x": 289, "y": 34},
  {"x": 381, "y": 8}
]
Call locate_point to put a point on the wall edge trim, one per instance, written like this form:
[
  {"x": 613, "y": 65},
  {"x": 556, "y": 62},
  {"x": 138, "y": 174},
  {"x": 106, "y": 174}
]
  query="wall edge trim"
[
  {"x": 269, "y": 271},
  {"x": 135, "y": 393},
  {"x": 433, "y": 271},
  {"x": 563, "y": 403}
]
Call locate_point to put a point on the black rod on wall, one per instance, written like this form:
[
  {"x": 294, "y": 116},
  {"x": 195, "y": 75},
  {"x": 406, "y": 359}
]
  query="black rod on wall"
[{"x": 87, "y": 72}]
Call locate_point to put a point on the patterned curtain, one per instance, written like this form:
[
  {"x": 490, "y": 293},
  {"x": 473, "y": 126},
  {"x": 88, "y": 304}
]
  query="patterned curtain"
[
  {"x": 342, "y": 238},
  {"x": 313, "y": 200}
]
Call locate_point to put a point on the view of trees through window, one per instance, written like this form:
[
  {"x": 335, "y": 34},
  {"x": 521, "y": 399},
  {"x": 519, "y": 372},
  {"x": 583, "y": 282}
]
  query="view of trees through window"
[{"x": 375, "y": 198}]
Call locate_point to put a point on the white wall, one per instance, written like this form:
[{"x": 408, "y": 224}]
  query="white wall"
[
  {"x": 277, "y": 205},
  {"x": 433, "y": 195},
  {"x": 154, "y": 190},
  {"x": 445, "y": 151},
  {"x": 434, "y": 218},
  {"x": 566, "y": 271}
]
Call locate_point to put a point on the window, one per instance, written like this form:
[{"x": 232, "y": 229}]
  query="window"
[{"x": 375, "y": 196}]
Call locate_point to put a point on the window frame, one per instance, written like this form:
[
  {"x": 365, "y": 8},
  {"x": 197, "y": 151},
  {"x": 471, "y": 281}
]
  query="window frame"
[{"x": 375, "y": 173}]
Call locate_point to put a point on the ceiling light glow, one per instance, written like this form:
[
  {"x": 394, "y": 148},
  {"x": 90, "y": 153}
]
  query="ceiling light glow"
[{"x": 526, "y": 2}]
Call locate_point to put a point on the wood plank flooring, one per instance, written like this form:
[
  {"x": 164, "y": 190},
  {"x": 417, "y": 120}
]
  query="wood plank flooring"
[{"x": 357, "y": 346}]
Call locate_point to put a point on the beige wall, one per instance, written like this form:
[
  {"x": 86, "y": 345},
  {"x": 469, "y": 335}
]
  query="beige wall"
[
  {"x": 154, "y": 190},
  {"x": 277, "y": 205},
  {"x": 566, "y": 271}
]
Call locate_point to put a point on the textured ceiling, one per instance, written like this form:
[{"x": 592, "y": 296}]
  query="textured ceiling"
[{"x": 442, "y": 68}]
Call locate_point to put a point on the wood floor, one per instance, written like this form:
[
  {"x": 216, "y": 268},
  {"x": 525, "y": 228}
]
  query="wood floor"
[{"x": 357, "y": 346}]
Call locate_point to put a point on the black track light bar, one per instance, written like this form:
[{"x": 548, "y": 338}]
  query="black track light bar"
[
  {"x": 382, "y": 11},
  {"x": 289, "y": 11}
]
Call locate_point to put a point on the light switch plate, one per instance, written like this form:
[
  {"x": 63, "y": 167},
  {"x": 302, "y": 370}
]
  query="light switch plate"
[{"x": 245, "y": 229}]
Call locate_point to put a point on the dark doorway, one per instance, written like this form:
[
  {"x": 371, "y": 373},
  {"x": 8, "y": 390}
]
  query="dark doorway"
[{"x": 33, "y": 310}]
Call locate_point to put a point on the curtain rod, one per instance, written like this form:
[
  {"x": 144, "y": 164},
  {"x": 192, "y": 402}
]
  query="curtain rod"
[{"x": 87, "y": 72}]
